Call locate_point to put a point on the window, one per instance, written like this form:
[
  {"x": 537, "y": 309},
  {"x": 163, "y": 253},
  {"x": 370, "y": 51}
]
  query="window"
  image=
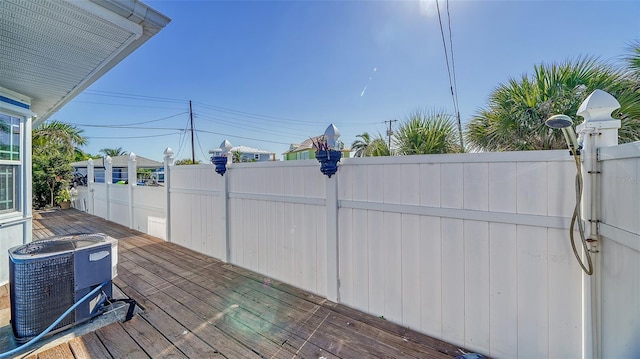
[
  {"x": 9, "y": 138},
  {"x": 9, "y": 163},
  {"x": 256, "y": 156},
  {"x": 99, "y": 175}
]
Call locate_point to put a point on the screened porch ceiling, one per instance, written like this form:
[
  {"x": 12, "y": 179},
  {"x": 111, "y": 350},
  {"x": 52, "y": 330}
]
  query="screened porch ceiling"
[{"x": 52, "y": 50}]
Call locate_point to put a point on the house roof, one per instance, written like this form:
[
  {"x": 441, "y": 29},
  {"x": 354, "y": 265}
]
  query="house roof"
[
  {"x": 307, "y": 145},
  {"x": 243, "y": 149},
  {"x": 120, "y": 161},
  {"x": 246, "y": 149},
  {"x": 53, "y": 50}
]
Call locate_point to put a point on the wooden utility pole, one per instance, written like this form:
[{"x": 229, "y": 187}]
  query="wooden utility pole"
[
  {"x": 193, "y": 152},
  {"x": 390, "y": 132}
]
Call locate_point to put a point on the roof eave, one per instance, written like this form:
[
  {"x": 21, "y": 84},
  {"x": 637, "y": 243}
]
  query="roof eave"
[{"x": 151, "y": 22}]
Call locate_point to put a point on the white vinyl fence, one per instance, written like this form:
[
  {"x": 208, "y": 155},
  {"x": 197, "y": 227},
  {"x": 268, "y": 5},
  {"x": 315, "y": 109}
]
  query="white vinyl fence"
[
  {"x": 143, "y": 208},
  {"x": 470, "y": 248},
  {"x": 620, "y": 251}
]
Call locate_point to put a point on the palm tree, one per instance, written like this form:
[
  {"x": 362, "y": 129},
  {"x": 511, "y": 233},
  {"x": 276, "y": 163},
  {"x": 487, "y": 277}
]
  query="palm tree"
[
  {"x": 112, "y": 152},
  {"x": 425, "y": 132},
  {"x": 54, "y": 146},
  {"x": 633, "y": 59},
  {"x": 66, "y": 136},
  {"x": 379, "y": 147},
  {"x": 186, "y": 161},
  {"x": 361, "y": 147},
  {"x": 514, "y": 118},
  {"x": 236, "y": 156}
]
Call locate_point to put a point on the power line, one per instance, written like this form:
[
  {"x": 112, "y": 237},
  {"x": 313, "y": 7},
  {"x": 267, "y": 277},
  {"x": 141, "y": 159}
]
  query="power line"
[
  {"x": 125, "y": 105},
  {"x": 131, "y": 127},
  {"x": 132, "y": 96},
  {"x": 182, "y": 140},
  {"x": 455, "y": 82},
  {"x": 149, "y": 136},
  {"x": 244, "y": 138},
  {"x": 200, "y": 146},
  {"x": 451, "y": 67},
  {"x": 248, "y": 127},
  {"x": 253, "y": 115},
  {"x": 126, "y": 124}
]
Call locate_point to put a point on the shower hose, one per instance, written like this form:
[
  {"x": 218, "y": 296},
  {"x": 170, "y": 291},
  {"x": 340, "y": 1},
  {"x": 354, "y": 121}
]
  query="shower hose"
[{"x": 576, "y": 218}]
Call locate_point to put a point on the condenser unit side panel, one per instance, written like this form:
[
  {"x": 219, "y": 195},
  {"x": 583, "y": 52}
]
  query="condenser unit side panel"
[{"x": 92, "y": 266}]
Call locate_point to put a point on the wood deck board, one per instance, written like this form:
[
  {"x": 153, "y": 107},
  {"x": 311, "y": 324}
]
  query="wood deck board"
[
  {"x": 119, "y": 343},
  {"x": 88, "y": 346},
  {"x": 198, "y": 306},
  {"x": 410, "y": 346},
  {"x": 362, "y": 333}
]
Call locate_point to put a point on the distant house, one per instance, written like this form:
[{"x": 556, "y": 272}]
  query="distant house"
[
  {"x": 305, "y": 150},
  {"x": 120, "y": 167},
  {"x": 248, "y": 154}
]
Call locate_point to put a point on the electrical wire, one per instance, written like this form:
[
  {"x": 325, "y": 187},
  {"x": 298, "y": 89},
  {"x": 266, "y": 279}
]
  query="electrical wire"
[
  {"x": 200, "y": 146},
  {"x": 134, "y": 123},
  {"x": 450, "y": 69},
  {"x": 244, "y": 137},
  {"x": 248, "y": 127},
  {"x": 133, "y": 96},
  {"x": 125, "y": 105},
  {"x": 455, "y": 81},
  {"x": 148, "y": 136},
  {"x": 182, "y": 139}
]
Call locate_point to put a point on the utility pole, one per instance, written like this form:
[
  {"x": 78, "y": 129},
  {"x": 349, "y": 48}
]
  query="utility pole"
[
  {"x": 193, "y": 152},
  {"x": 390, "y": 133}
]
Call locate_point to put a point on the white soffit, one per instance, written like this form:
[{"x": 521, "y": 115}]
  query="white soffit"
[{"x": 51, "y": 50}]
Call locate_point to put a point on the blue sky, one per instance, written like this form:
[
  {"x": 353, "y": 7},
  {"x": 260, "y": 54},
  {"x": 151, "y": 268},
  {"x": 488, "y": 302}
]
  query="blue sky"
[{"x": 266, "y": 74}]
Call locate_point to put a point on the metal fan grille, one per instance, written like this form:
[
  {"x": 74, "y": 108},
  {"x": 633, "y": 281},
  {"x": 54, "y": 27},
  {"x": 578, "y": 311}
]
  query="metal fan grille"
[
  {"x": 60, "y": 244},
  {"x": 41, "y": 291}
]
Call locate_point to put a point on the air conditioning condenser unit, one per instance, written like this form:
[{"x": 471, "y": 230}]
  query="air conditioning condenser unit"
[{"x": 47, "y": 277}]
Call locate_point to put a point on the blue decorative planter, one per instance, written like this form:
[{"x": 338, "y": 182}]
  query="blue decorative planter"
[
  {"x": 328, "y": 161},
  {"x": 221, "y": 164}
]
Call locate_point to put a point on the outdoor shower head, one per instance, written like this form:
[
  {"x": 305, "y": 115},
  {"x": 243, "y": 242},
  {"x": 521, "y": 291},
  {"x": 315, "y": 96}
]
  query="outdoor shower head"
[
  {"x": 559, "y": 121},
  {"x": 564, "y": 123}
]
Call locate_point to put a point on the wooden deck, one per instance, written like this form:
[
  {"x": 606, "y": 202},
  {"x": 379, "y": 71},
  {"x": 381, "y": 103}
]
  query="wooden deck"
[{"x": 199, "y": 307}]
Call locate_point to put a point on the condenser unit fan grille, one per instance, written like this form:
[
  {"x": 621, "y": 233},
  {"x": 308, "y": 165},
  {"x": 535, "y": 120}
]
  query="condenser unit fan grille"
[{"x": 42, "y": 290}]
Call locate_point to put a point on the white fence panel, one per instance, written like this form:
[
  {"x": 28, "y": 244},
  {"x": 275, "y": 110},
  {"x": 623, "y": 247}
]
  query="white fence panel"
[
  {"x": 119, "y": 204},
  {"x": 197, "y": 209},
  {"x": 469, "y": 248},
  {"x": 149, "y": 210},
  {"x": 277, "y": 221},
  {"x": 99, "y": 200},
  {"x": 620, "y": 251}
]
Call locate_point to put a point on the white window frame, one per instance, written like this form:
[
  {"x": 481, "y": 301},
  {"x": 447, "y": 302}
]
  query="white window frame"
[
  {"x": 14, "y": 177},
  {"x": 22, "y": 201}
]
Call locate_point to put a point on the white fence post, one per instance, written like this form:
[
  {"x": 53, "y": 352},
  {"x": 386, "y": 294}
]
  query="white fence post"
[
  {"x": 333, "y": 276},
  {"x": 168, "y": 162},
  {"x": 108, "y": 179},
  {"x": 90, "y": 186},
  {"x": 225, "y": 211},
  {"x": 599, "y": 129},
  {"x": 132, "y": 182}
]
